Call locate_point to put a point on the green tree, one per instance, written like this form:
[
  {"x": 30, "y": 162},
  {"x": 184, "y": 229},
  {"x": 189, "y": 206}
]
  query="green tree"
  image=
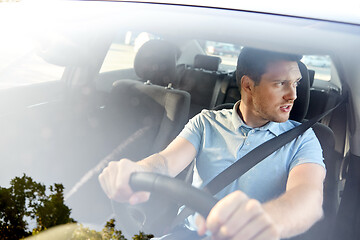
[
  {"x": 110, "y": 233},
  {"x": 53, "y": 211},
  {"x": 84, "y": 233},
  {"x": 27, "y": 199},
  {"x": 12, "y": 224},
  {"x": 18, "y": 201},
  {"x": 142, "y": 236}
]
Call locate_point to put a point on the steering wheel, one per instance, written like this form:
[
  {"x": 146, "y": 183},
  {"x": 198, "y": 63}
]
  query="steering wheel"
[
  {"x": 156, "y": 215},
  {"x": 174, "y": 190}
]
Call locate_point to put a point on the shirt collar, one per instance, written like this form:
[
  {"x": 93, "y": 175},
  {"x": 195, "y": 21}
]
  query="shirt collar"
[{"x": 238, "y": 123}]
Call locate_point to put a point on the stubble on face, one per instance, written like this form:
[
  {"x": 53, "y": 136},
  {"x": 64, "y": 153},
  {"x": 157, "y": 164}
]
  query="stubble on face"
[{"x": 272, "y": 98}]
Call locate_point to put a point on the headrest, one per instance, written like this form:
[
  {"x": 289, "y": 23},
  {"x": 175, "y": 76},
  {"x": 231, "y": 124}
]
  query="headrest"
[
  {"x": 156, "y": 61},
  {"x": 207, "y": 62},
  {"x": 301, "y": 103},
  {"x": 311, "y": 76}
]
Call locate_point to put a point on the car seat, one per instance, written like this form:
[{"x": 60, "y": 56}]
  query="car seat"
[
  {"x": 160, "y": 111},
  {"x": 202, "y": 81},
  {"x": 327, "y": 140},
  {"x": 155, "y": 61},
  {"x": 206, "y": 62},
  {"x": 143, "y": 119},
  {"x": 139, "y": 119}
]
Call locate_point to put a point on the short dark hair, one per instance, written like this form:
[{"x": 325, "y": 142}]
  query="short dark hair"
[{"x": 253, "y": 62}]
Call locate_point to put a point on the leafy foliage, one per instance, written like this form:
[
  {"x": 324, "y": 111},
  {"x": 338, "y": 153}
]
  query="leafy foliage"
[
  {"x": 108, "y": 233},
  {"x": 142, "y": 236},
  {"x": 27, "y": 199},
  {"x": 53, "y": 211}
]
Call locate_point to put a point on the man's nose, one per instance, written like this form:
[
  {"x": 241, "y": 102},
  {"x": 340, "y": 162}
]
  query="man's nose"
[{"x": 291, "y": 93}]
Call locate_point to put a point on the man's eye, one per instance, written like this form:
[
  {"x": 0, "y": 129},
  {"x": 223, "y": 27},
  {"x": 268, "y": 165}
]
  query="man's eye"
[{"x": 296, "y": 83}]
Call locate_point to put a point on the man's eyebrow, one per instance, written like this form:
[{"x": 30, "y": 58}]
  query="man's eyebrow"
[{"x": 286, "y": 80}]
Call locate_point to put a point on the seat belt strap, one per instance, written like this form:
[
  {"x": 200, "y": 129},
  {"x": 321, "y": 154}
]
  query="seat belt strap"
[
  {"x": 252, "y": 158},
  {"x": 259, "y": 153},
  {"x": 218, "y": 94},
  {"x": 223, "y": 90}
]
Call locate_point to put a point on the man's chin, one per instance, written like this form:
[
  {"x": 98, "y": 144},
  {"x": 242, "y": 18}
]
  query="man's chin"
[{"x": 281, "y": 119}]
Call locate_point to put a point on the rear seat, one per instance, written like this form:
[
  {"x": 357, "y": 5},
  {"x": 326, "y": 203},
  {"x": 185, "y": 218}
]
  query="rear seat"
[
  {"x": 155, "y": 63},
  {"x": 325, "y": 95},
  {"x": 202, "y": 81}
]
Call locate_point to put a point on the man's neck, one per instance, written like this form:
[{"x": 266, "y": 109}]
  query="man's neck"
[{"x": 248, "y": 117}]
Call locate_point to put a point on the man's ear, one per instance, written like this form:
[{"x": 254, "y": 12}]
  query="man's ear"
[{"x": 247, "y": 84}]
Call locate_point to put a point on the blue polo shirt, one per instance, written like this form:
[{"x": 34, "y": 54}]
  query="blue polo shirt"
[{"x": 221, "y": 138}]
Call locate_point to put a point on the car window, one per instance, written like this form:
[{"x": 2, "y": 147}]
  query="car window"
[
  {"x": 226, "y": 51},
  {"x": 321, "y": 64},
  {"x": 68, "y": 137},
  {"x": 20, "y": 63},
  {"x": 123, "y": 49}
]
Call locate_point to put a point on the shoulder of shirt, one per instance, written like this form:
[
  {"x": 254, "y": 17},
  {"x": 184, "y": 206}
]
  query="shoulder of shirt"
[
  {"x": 290, "y": 124},
  {"x": 216, "y": 113}
]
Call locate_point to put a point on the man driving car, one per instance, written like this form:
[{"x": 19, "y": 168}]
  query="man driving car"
[{"x": 278, "y": 198}]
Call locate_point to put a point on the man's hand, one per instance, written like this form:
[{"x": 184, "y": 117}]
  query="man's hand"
[
  {"x": 238, "y": 217},
  {"x": 114, "y": 180}
]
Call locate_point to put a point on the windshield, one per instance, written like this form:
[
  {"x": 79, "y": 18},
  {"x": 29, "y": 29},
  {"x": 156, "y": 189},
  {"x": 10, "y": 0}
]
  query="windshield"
[{"x": 65, "y": 114}]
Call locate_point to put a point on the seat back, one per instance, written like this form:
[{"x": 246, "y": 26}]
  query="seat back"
[
  {"x": 201, "y": 82},
  {"x": 301, "y": 103},
  {"x": 143, "y": 119},
  {"x": 327, "y": 140},
  {"x": 157, "y": 112},
  {"x": 206, "y": 62}
]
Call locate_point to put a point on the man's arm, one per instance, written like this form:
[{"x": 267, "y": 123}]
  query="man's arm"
[
  {"x": 172, "y": 160},
  {"x": 114, "y": 179},
  {"x": 301, "y": 206},
  {"x": 238, "y": 217}
]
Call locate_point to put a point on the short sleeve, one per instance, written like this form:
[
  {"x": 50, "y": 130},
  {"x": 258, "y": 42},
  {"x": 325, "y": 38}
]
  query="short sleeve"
[
  {"x": 308, "y": 150},
  {"x": 193, "y": 131}
]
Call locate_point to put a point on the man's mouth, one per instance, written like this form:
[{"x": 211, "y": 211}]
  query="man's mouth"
[{"x": 286, "y": 108}]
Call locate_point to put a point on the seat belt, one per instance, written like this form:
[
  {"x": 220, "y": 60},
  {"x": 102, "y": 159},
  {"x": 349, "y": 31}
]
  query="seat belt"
[
  {"x": 252, "y": 158},
  {"x": 256, "y": 155},
  {"x": 220, "y": 90}
]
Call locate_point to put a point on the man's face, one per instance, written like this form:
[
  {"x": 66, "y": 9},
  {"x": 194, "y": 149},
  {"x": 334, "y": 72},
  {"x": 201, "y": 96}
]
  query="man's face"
[{"x": 274, "y": 96}]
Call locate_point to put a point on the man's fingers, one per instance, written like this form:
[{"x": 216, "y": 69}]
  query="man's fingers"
[
  {"x": 224, "y": 209},
  {"x": 253, "y": 228},
  {"x": 114, "y": 180},
  {"x": 201, "y": 224},
  {"x": 139, "y": 197},
  {"x": 238, "y": 217},
  {"x": 269, "y": 233},
  {"x": 105, "y": 182},
  {"x": 240, "y": 221}
]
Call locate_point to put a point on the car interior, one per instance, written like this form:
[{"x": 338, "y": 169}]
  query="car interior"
[
  {"x": 99, "y": 112},
  {"x": 208, "y": 88}
]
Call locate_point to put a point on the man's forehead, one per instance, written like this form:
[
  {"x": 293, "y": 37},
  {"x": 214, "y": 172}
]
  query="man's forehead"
[{"x": 282, "y": 68}]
